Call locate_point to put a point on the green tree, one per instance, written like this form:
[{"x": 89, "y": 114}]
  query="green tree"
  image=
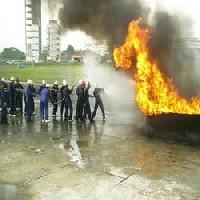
[
  {"x": 12, "y": 54},
  {"x": 69, "y": 52}
]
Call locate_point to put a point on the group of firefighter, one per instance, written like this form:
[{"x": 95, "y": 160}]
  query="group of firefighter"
[{"x": 13, "y": 94}]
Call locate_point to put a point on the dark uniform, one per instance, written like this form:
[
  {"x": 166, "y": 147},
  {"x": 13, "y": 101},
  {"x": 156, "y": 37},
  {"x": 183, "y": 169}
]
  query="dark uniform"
[
  {"x": 80, "y": 103},
  {"x": 66, "y": 92},
  {"x": 6, "y": 94},
  {"x": 87, "y": 109},
  {"x": 1, "y": 93},
  {"x": 98, "y": 102},
  {"x": 54, "y": 99},
  {"x": 62, "y": 104},
  {"x": 12, "y": 98},
  {"x": 19, "y": 95},
  {"x": 4, "y": 114},
  {"x": 44, "y": 99},
  {"x": 29, "y": 94}
]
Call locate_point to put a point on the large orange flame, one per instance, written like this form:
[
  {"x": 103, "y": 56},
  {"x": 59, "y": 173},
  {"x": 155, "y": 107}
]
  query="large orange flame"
[{"x": 155, "y": 92}]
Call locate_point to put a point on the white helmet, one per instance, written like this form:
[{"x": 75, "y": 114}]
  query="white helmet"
[
  {"x": 56, "y": 82},
  {"x": 80, "y": 82},
  {"x": 3, "y": 79},
  {"x": 29, "y": 82},
  {"x": 12, "y": 78},
  {"x": 64, "y": 82},
  {"x": 47, "y": 85},
  {"x": 43, "y": 82}
]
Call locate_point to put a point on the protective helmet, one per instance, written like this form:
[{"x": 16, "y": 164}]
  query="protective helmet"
[
  {"x": 12, "y": 78},
  {"x": 43, "y": 82},
  {"x": 64, "y": 82},
  {"x": 3, "y": 79},
  {"x": 56, "y": 82},
  {"x": 29, "y": 82},
  {"x": 80, "y": 82},
  {"x": 47, "y": 85}
]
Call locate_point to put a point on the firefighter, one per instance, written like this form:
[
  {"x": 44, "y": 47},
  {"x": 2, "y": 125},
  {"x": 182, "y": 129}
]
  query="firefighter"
[
  {"x": 80, "y": 100},
  {"x": 62, "y": 104},
  {"x": 68, "y": 102},
  {"x": 5, "y": 92},
  {"x": 54, "y": 98},
  {"x": 44, "y": 99},
  {"x": 42, "y": 86},
  {"x": 1, "y": 93},
  {"x": 87, "y": 109},
  {"x": 12, "y": 96},
  {"x": 98, "y": 102},
  {"x": 29, "y": 94},
  {"x": 4, "y": 114},
  {"x": 19, "y": 95}
]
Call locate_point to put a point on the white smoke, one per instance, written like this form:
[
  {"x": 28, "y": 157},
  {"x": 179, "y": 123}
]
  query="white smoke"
[{"x": 119, "y": 97}]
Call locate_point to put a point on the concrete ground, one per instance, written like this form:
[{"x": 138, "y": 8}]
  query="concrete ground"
[
  {"x": 101, "y": 161},
  {"x": 104, "y": 160}
]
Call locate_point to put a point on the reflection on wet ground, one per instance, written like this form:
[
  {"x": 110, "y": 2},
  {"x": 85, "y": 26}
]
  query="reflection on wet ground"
[
  {"x": 8, "y": 192},
  {"x": 104, "y": 160}
]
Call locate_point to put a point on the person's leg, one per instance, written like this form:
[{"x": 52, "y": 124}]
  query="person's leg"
[
  {"x": 95, "y": 110},
  {"x": 28, "y": 111},
  {"x": 70, "y": 111},
  {"x": 46, "y": 110},
  {"x": 54, "y": 109},
  {"x": 21, "y": 103},
  {"x": 102, "y": 109},
  {"x": 66, "y": 110},
  {"x": 12, "y": 105},
  {"x": 41, "y": 110},
  {"x": 78, "y": 110},
  {"x": 88, "y": 111},
  {"x": 62, "y": 108}
]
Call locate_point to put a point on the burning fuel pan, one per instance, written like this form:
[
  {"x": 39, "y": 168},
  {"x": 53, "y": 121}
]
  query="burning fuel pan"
[
  {"x": 175, "y": 127},
  {"x": 174, "y": 122}
]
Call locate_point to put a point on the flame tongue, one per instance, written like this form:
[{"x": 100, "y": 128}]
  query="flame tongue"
[{"x": 155, "y": 91}]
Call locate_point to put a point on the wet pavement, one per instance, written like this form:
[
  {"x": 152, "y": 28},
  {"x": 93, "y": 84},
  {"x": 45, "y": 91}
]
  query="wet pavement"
[{"x": 104, "y": 160}]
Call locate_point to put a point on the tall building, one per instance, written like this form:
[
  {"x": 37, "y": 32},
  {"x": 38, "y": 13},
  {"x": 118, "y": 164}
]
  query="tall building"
[
  {"x": 53, "y": 31},
  {"x": 33, "y": 30}
]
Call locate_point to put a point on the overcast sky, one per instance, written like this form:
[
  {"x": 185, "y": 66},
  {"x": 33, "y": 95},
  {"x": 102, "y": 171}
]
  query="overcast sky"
[{"x": 12, "y": 28}]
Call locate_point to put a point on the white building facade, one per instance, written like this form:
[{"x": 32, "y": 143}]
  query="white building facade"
[
  {"x": 33, "y": 30},
  {"x": 54, "y": 41}
]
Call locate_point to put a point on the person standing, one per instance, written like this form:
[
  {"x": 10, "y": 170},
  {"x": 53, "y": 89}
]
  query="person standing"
[
  {"x": 29, "y": 94},
  {"x": 12, "y": 96},
  {"x": 87, "y": 109},
  {"x": 19, "y": 95},
  {"x": 42, "y": 86},
  {"x": 68, "y": 103},
  {"x": 44, "y": 99},
  {"x": 54, "y": 98},
  {"x": 62, "y": 104},
  {"x": 5, "y": 92},
  {"x": 98, "y": 102},
  {"x": 1, "y": 93},
  {"x": 80, "y": 100}
]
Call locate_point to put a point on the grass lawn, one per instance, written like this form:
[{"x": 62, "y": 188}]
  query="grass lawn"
[{"x": 38, "y": 72}]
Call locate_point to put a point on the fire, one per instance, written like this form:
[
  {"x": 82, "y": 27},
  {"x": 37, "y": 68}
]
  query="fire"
[{"x": 155, "y": 91}]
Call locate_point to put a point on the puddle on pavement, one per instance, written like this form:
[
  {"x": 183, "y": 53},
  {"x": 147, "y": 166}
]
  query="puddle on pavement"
[{"x": 8, "y": 192}]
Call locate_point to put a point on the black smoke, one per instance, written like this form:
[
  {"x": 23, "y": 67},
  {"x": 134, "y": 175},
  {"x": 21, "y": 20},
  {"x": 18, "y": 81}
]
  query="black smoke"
[
  {"x": 102, "y": 19},
  {"x": 175, "y": 58},
  {"x": 109, "y": 19}
]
